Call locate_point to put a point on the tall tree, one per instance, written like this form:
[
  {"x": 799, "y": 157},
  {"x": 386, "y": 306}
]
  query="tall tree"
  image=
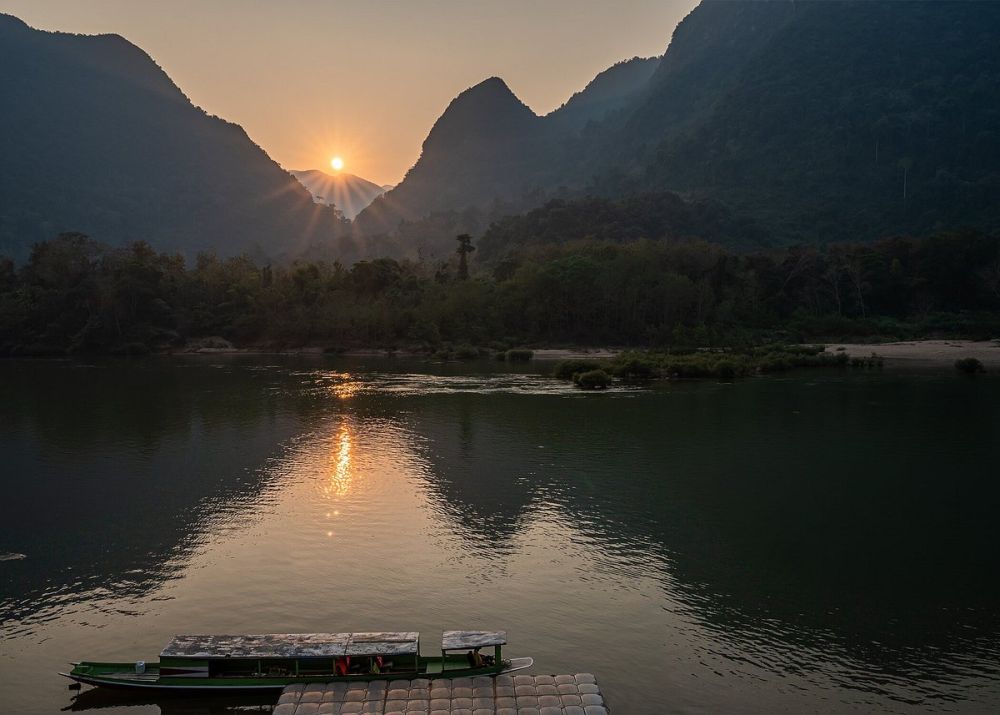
[{"x": 465, "y": 247}]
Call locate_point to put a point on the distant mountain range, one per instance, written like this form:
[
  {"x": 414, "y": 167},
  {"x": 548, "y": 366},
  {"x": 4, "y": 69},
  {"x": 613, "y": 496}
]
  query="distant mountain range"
[
  {"x": 809, "y": 121},
  {"x": 818, "y": 120},
  {"x": 94, "y": 137},
  {"x": 350, "y": 194},
  {"x": 488, "y": 146}
]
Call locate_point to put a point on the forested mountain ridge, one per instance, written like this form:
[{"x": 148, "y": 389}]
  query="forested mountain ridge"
[
  {"x": 854, "y": 120},
  {"x": 810, "y": 119},
  {"x": 701, "y": 64},
  {"x": 489, "y": 149},
  {"x": 809, "y": 122},
  {"x": 608, "y": 92},
  {"x": 95, "y": 137},
  {"x": 472, "y": 155}
]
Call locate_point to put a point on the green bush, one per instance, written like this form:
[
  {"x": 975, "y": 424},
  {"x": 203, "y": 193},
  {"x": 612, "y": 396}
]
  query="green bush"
[
  {"x": 634, "y": 366},
  {"x": 592, "y": 379},
  {"x": 567, "y": 369},
  {"x": 969, "y": 366}
]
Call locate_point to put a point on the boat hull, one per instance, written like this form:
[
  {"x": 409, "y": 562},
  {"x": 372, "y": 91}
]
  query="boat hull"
[{"x": 122, "y": 676}]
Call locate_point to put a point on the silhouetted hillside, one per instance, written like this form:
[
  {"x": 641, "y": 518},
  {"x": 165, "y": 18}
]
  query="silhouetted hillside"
[
  {"x": 489, "y": 149},
  {"x": 476, "y": 152},
  {"x": 703, "y": 62},
  {"x": 349, "y": 193},
  {"x": 608, "y": 92},
  {"x": 812, "y": 119},
  {"x": 96, "y": 138},
  {"x": 852, "y": 120}
]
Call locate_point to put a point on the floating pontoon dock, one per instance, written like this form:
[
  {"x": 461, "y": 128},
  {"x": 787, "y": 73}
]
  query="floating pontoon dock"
[{"x": 482, "y": 695}]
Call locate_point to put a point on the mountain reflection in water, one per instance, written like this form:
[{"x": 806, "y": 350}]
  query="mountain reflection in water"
[{"x": 822, "y": 542}]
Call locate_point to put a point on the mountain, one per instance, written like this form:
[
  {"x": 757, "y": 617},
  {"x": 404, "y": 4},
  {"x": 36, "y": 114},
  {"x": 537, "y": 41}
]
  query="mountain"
[
  {"x": 840, "y": 120},
  {"x": 816, "y": 121},
  {"x": 701, "y": 64},
  {"x": 349, "y": 193},
  {"x": 96, "y": 138},
  {"x": 488, "y": 147},
  {"x": 473, "y": 154}
]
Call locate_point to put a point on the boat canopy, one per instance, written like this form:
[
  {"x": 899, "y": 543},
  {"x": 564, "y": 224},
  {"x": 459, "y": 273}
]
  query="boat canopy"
[
  {"x": 384, "y": 643},
  {"x": 292, "y": 645},
  {"x": 460, "y": 640}
]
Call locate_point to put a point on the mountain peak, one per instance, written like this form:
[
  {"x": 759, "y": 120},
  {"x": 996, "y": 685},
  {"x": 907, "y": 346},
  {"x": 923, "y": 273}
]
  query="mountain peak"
[
  {"x": 489, "y": 86},
  {"x": 487, "y": 109},
  {"x": 488, "y": 96},
  {"x": 9, "y": 22}
]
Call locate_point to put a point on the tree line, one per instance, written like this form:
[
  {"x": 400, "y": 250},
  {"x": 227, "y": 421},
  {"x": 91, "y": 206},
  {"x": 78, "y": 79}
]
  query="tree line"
[{"x": 75, "y": 295}]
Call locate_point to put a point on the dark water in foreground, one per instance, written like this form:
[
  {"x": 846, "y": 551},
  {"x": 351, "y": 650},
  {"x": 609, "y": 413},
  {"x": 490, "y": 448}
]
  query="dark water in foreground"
[{"x": 819, "y": 543}]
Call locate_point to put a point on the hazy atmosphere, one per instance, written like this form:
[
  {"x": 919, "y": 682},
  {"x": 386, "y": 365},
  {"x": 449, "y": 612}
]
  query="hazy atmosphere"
[
  {"x": 313, "y": 79},
  {"x": 499, "y": 358}
]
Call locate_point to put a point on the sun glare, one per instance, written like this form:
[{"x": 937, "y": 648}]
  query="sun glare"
[{"x": 337, "y": 163}]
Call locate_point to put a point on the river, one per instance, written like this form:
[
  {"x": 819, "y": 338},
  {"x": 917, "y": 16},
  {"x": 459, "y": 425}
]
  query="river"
[{"x": 825, "y": 541}]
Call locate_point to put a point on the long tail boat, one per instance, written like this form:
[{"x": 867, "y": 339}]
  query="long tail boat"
[{"x": 273, "y": 661}]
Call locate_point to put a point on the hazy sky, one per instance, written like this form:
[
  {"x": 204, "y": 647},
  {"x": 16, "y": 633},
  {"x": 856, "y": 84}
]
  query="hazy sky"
[{"x": 365, "y": 79}]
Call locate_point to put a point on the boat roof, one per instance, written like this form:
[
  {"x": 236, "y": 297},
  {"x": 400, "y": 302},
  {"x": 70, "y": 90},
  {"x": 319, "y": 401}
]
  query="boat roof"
[
  {"x": 457, "y": 640},
  {"x": 292, "y": 645},
  {"x": 383, "y": 643}
]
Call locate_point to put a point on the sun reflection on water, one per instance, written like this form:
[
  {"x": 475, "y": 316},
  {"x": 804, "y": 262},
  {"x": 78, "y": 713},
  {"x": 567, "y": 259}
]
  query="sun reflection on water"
[
  {"x": 341, "y": 476},
  {"x": 346, "y": 386}
]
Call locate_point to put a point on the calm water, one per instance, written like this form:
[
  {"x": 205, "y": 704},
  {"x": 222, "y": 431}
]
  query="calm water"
[{"x": 824, "y": 542}]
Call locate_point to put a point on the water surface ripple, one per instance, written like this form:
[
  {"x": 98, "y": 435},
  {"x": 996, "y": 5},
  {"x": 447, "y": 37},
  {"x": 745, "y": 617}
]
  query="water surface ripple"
[{"x": 823, "y": 542}]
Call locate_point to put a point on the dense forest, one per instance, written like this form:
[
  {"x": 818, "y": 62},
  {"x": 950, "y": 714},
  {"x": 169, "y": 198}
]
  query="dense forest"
[
  {"x": 663, "y": 215},
  {"x": 75, "y": 295}
]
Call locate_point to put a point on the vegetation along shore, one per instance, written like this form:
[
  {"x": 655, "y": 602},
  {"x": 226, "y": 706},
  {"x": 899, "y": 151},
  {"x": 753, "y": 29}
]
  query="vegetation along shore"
[{"x": 77, "y": 296}]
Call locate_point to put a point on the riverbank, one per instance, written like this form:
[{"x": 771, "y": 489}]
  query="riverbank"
[
  {"x": 925, "y": 353},
  {"x": 918, "y": 353},
  {"x": 220, "y": 346}
]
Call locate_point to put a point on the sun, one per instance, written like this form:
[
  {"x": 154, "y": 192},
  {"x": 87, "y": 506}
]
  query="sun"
[{"x": 337, "y": 163}]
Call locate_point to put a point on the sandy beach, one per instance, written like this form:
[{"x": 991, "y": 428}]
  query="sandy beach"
[{"x": 927, "y": 352}]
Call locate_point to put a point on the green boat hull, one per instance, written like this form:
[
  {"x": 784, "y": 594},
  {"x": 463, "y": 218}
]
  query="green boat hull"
[{"x": 123, "y": 675}]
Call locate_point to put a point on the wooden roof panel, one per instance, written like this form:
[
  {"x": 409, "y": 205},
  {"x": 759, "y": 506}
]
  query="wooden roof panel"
[
  {"x": 291, "y": 645},
  {"x": 384, "y": 643},
  {"x": 457, "y": 640}
]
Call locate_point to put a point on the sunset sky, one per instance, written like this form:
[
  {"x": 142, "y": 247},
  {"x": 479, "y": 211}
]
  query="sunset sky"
[{"x": 363, "y": 79}]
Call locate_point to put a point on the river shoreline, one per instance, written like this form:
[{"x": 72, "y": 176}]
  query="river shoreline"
[
  {"x": 918, "y": 353},
  {"x": 915, "y": 353},
  {"x": 591, "y": 353}
]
